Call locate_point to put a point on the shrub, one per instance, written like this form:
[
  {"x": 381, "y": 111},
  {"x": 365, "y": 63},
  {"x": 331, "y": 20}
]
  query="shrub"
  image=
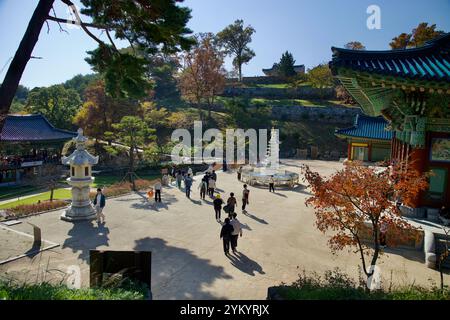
[
  {"x": 47, "y": 291},
  {"x": 27, "y": 209},
  {"x": 121, "y": 188},
  {"x": 335, "y": 285}
]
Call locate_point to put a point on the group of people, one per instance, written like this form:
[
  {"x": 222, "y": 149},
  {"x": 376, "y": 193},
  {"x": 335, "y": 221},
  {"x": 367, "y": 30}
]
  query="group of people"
[
  {"x": 271, "y": 179},
  {"x": 207, "y": 185},
  {"x": 230, "y": 232}
]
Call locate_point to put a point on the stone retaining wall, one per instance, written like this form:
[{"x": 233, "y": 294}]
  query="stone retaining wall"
[
  {"x": 303, "y": 92},
  {"x": 328, "y": 114}
]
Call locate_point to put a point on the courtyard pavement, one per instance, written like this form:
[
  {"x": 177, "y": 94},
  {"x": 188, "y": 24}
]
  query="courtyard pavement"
[{"x": 279, "y": 242}]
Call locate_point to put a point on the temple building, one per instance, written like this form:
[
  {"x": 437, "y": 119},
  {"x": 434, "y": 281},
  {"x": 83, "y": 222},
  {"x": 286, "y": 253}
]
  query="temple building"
[
  {"x": 410, "y": 88},
  {"x": 368, "y": 139},
  {"x": 299, "y": 69},
  {"x": 28, "y": 142}
]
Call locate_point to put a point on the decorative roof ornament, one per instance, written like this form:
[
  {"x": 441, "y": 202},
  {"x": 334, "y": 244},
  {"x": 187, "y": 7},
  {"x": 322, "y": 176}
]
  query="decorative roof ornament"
[{"x": 80, "y": 156}]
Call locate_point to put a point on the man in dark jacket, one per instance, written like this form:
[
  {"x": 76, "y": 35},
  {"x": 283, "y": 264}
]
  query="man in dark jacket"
[
  {"x": 218, "y": 202},
  {"x": 226, "y": 234},
  {"x": 99, "y": 204}
]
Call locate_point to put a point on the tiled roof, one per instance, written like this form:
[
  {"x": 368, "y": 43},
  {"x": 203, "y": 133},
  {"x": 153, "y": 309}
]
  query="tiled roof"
[
  {"x": 33, "y": 128},
  {"x": 429, "y": 62},
  {"x": 367, "y": 127}
]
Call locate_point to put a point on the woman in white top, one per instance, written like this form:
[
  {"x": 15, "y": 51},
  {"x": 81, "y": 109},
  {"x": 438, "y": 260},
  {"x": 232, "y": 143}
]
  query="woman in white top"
[{"x": 211, "y": 187}]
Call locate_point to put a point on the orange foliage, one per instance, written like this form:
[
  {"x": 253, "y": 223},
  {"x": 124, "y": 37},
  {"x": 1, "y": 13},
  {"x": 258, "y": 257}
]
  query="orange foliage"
[{"x": 358, "y": 195}]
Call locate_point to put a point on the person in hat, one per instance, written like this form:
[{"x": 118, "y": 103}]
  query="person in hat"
[{"x": 217, "y": 203}]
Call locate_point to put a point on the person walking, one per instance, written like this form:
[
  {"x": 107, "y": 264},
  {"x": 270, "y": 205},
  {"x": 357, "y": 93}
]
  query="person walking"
[
  {"x": 178, "y": 177},
  {"x": 245, "y": 196},
  {"x": 187, "y": 185},
  {"x": 239, "y": 173},
  {"x": 203, "y": 186},
  {"x": 271, "y": 184},
  {"x": 214, "y": 175},
  {"x": 231, "y": 203},
  {"x": 99, "y": 204},
  {"x": 225, "y": 235},
  {"x": 158, "y": 188},
  {"x": 218, "y": 202},
  {"x": 211, "y": 187},
  {"x": 237, "y": 231}
]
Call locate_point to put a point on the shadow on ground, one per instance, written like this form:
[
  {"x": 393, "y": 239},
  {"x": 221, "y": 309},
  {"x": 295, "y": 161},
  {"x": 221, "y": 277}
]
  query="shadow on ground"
[
  {"x": 260, "y": 220},
  {"x": 177, "y": 273},
  {"x": 84, "y": 236},
  {"x": 144, "y": 203},
  {"x": 245, "y": 264}
]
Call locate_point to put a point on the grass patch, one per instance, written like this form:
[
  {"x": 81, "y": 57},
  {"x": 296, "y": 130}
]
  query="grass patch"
[
  {"x": 295, "y": 102},
  {"x": 58, "y": 194},
  {"x": 47, "y": 291},
  {"x": 336, "y": 285}
]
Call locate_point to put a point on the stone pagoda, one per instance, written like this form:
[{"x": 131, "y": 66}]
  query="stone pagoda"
[{"x": 80, "y": 162}]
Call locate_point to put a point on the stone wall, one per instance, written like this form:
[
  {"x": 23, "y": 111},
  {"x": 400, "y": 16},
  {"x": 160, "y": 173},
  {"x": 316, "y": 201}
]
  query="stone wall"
[
  {"x": 328, "y": 114},
  {"x": 303, "y": 92},
  {"x": 257, "y": 80}
]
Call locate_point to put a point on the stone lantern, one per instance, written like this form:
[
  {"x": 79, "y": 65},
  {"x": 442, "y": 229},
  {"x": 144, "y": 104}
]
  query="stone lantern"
[{"x": 80, "y": 162}]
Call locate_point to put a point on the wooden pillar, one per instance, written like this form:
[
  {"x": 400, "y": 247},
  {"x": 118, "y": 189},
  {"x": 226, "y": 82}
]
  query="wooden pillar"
[
  {"x": 349, "y": 150},
  {"x": 417, "y": 161},
  {"x": 369, "y": 155}
]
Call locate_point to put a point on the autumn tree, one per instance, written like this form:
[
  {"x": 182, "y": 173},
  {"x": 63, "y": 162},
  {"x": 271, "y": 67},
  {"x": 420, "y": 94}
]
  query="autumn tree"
[
  {"x": 358, "y": 196},
  {"x": 235, "y": 39},
  {"x": 417, "y": 38},
  {"x": 133, "y": 132},
  {"x": 150, "y": 25},
  {"x": 343, "y": 95},
  {"x": 58, "y": 104},
  {"x": 100, "y": 110},
  {"x": 320, "y": 76},
  {"x": 354, "y": 45},
  {"x": 203, "y": 74}
]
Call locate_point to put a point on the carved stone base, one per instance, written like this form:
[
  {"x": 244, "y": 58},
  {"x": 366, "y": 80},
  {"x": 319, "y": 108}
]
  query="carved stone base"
[{"x": 73, "y": 214}]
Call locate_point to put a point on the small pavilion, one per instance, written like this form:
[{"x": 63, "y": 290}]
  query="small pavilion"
[
  {"x": 368, "y": 139},
  {"x": 27, "y": 142},
  {"x": 410, "y": 88}
]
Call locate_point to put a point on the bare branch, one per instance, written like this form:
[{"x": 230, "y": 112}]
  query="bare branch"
[
  {"x": 68, "y": 21},
  {"x": 61, "y": 29},
  {"x": 78, "y": 19}
]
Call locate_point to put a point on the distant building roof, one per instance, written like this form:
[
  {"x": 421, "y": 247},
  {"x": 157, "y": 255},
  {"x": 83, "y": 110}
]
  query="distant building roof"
[
  {"x": 300, "y": 68},
  {"x": 429, "y": 62},
  {"x": 32, "y": 128},
  {"x": 367, "y": 127}
]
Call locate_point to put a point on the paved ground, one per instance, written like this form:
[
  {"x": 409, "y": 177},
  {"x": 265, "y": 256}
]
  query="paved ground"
[{"x": 279, "y": 241}]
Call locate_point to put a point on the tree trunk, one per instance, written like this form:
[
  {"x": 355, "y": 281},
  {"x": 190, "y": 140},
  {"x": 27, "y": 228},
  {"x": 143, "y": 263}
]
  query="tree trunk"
[
  {"x": 131, "y": 171},
  {"x": 52, "y": 189},
  {"x": 240, "y": 72},
  {"x": 22, "y": 56}
]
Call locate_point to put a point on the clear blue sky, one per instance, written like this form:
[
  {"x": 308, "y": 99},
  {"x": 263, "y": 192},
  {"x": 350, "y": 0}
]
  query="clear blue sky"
[{"x": 307, "y": 28}]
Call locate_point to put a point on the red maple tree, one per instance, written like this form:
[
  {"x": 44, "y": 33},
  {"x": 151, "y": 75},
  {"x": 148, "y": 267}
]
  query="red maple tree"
[{"x": 355, "y": 201}]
